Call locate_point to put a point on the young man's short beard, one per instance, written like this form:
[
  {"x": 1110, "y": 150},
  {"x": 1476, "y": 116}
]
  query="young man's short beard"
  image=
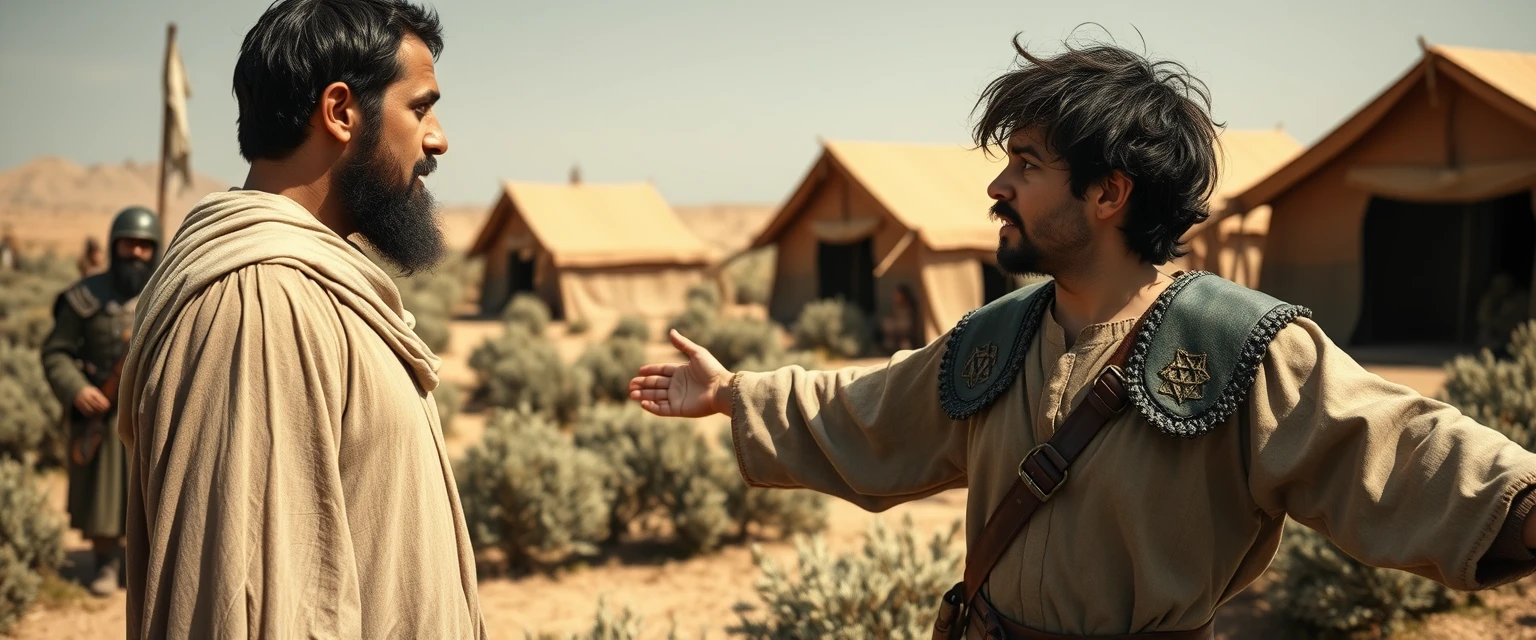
[
  {"x": 398, "y": 220},
  {"x": 1063, "y": 225}
]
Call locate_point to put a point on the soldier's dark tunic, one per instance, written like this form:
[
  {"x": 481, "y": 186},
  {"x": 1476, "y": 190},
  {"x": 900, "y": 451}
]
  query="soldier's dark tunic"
[{"x": 92, "y": 325}]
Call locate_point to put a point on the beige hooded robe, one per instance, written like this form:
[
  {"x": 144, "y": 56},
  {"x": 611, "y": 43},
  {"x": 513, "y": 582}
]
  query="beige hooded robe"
[{"x": 287, "y": 476}]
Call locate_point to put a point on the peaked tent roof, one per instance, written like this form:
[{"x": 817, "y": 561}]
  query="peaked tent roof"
[
  {"x": 1246, "y": 156},
  {"x": 1506, "y": 79},
  {"x": 596, "y": 225},
  {"x": 939, "y": 191}
]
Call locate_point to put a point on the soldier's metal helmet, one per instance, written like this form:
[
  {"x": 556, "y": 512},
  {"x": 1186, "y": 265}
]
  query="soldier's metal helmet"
[{"x": 136, "y": 222}]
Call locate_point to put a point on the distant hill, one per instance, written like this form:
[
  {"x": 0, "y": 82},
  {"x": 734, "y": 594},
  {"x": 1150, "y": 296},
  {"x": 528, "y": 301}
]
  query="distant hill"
[{"x": 55, "y": 185}]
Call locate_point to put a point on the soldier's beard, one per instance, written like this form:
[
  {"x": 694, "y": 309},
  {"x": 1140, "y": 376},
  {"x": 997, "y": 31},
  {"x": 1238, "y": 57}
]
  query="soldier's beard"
[
  {"x": 129, "y": 275},
  {"x": 398, "y": 221}
]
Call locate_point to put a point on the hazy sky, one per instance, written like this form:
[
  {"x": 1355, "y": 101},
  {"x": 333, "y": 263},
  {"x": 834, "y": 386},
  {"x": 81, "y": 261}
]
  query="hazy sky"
[{"x": 714, "y": 101}]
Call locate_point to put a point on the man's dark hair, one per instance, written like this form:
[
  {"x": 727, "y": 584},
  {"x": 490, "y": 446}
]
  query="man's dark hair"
[
  {"x": 1102, "y": 108},
  {"x": 298, "y": 47}
]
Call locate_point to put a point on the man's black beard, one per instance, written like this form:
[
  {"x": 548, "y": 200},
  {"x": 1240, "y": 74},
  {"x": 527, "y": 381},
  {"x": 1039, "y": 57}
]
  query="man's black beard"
[
  {"x": 398, "y": 221},
  {"x": 130, "y": 275},
  {"x": 1022, "y": 259}
]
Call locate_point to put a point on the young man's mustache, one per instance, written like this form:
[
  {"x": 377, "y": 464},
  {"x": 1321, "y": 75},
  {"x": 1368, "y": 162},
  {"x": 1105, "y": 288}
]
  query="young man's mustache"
[{"x": 1004, "y": 212}]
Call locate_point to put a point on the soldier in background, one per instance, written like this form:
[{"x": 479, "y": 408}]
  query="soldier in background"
[
  {"x": 91, "y": 262},
  {"x": 82, "y": 357}
]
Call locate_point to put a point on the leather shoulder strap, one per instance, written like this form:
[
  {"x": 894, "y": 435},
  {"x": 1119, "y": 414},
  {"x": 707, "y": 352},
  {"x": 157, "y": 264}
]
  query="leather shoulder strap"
[{"x": 1044, "y": 469}]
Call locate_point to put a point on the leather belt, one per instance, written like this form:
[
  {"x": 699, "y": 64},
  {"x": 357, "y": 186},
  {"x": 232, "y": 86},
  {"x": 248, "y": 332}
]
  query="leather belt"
[{"x": 994, "y": 625}]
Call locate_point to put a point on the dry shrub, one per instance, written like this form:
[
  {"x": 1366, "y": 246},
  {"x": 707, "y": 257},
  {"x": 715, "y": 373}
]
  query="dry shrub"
[
  {"x": 610, "y": 365},
  {"x": 521, "y": 369},
  {"x": 888, "y": 590},
  {"x": 1499, "y": 393},
  {"x": 529, "y": 311},
  {"x": 30, "y": 545},
  {"x": 30, "y": 428},
  {"x": 834, "y": 328}
]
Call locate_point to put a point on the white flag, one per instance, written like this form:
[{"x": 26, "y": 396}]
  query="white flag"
[{"x": 178, "y": 142}]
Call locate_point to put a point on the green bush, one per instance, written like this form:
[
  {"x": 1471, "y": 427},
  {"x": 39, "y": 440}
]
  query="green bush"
[
  {"x": 658, "y": 469},
  {"x": 741, "y": 340},
  {"x": 632, "y": 327},
  {"x": 529, "y": 311},
  {"x": 889, "y": 590},
  {"x": 531, "y": 493},
  {"x": 833, "y": 327},
  {"x": 1499, "y": 393},
  {"x": 521, "y": 369},
  {"x": 30, "y": 544},
  {"x": 29, "y": 414},
  {"x": 705, "y": 293},
  {"x": 752, "y": 276},
  {"x": 787, "y": 512},
  {"x": 695, "y": 319},
  {"x": 611, "y": 364},
  {"x": 447, "y": 397},
  {"x": 1329, "y": 594},
  {"x": 27, "y": 295},
  {"x": 431, "y": 296}
]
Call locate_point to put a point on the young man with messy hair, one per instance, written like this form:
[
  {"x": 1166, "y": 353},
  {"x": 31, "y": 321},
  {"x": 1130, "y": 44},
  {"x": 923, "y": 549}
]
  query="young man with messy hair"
[{"x": 1132, "y": 438}]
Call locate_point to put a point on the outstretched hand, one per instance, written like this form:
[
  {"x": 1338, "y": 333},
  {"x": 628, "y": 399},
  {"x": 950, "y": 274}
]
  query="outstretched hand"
[{"x": 694, "y": 389}]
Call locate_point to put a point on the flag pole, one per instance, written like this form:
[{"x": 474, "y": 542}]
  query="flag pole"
[{"x": 165, "y": 123}]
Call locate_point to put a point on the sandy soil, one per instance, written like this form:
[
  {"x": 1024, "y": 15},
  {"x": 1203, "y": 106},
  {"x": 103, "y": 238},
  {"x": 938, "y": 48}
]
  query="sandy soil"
[{"x": 703, "y": 593}]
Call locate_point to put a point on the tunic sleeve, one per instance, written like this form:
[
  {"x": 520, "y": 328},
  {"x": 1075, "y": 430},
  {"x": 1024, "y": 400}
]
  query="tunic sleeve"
[
  {"x": 1393, "y": 478},
  {"x": 875, "y": 436},
  {"x": 59, "y": 351},
  {"x": 245, "y": 531}
]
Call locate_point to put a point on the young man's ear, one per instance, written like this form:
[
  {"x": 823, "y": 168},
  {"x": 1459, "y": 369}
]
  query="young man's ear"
[{"x": 1111, "y": 196}]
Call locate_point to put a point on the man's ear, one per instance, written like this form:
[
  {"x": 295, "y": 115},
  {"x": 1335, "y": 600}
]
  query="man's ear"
[
  {"x": 338, "y": 114},
  {"x": 1111, "y": 196}
]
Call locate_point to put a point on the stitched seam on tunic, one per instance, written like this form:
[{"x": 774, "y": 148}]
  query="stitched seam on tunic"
[
  {"x": 738, "y": 423},
  {"x": 1491, "y": 529}
]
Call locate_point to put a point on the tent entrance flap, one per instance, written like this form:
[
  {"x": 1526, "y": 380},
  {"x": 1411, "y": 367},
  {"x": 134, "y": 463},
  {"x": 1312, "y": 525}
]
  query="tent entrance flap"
[
  {"x": 847, "y": 271},
  {"x": 1427, "y": 268}
]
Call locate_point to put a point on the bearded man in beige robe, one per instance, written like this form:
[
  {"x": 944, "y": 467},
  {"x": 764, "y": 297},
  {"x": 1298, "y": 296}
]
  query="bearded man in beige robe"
[
  {"x": 1178, "y": 503},
  {"x": 287, "y": 476}
]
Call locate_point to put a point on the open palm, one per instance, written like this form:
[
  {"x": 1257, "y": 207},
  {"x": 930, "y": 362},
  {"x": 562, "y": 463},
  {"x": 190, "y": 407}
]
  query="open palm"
[{"x": 686, "y": 390}]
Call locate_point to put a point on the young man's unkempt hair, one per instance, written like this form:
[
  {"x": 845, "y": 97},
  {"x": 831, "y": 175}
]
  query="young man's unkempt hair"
[
  {"x": 298, "y": 47},
  {"x": 1102, "y": 108}
]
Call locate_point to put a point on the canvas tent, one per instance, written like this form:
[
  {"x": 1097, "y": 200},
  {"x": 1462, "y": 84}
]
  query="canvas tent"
[
  {"x": 1411, "y": 222},
  {"x": 870, "y": 217},
  {"x": 590, "y": 251},
  {"x": 1231, "y": 243}
]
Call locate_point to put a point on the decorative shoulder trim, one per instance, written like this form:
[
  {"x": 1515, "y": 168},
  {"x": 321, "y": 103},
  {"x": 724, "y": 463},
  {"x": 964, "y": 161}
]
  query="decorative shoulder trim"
[
  {"x": 86, "y": 296},
  {"x": 993, "y": 340},
  {"x": 1211, "y": 332}
]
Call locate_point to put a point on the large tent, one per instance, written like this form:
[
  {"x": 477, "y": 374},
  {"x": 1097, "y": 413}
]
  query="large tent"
[
  {"x": 870, "y": 217},
  {"x": 591, "y": 251},
  {"x": 1412, "y": 222}
]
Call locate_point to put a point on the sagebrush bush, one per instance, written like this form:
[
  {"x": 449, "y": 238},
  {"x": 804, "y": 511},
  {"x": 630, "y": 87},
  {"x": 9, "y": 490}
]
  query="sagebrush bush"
[
  {"x": 705, "y": 293},
  {"x": 30, "y": 542},
  {"x": 447, "y": 397},
  {"x": 611, "y": 364},
  {"x": 888, "y": 590},
  {"x": 1499, "y": 393},
  {"x": 579, "y": 326},
  {"x": 632, "y": 327},
  {"x": 785, "y": 512},
  {"x": 833, "y": 327},
  {"x": 752, "y": 276},
  {"x": 523, "y": 369},
  {"x": 529, "y": 311},
  {"x": 1330, "y": 594},
  {"x": 695, "y": 319},
  {"x": 30, "y": 428},
  {"x": 27, "y": 294},
  {"x": 741, "y": 340},
  {"x": 657, "y": 469},
  {"x": 431, "y": 296},
  {"x": 527, "y": 490}
]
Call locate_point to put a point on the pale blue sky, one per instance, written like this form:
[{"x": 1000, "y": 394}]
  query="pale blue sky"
[{"x": 714, "y": 101}]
